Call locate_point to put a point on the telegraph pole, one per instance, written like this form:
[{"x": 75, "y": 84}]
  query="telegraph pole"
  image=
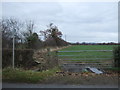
[{"x": 13, "y": 62}]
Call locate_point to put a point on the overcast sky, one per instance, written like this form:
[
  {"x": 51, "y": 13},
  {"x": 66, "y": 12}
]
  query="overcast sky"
[{"x": 80, "y": 22}]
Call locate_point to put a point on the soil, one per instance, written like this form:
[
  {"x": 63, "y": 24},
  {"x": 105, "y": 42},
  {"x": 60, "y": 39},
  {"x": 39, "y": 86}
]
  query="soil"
[{"x": 87, "y": 78}]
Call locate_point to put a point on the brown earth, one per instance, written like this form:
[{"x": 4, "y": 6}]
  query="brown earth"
[{"x": 83, "y": 78}]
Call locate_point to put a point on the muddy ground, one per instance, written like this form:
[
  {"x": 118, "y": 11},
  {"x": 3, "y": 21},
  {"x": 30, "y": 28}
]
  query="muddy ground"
[{"x": 87, "y": 78}]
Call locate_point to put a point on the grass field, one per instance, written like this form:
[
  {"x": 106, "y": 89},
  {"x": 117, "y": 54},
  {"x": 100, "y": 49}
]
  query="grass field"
[
  {"x": 88, "y": 55},
  {"x": 90, "y": 47}
]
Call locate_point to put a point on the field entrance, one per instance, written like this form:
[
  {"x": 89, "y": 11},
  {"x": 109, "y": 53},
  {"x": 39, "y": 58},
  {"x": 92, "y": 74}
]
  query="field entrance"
[{"x": 77, "y": 57}]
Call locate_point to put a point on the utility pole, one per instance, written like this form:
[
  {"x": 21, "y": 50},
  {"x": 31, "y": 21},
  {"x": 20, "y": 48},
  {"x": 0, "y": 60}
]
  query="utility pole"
[
  {"x": 13, "y": 62},
  {"x": 13, "y": 52}
]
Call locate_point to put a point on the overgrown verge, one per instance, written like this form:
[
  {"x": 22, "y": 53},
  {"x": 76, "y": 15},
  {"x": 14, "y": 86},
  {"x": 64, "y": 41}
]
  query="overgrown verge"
[
  {"x": 26, "y": 76},
  {"x": 56, "y": 76},
  {"x": 47, "y": 58}
]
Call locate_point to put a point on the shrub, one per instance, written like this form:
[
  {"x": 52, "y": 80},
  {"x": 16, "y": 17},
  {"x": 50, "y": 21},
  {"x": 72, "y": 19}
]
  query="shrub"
[
  {"x": 116, "y": 54},
  {"x": 46, "y": 59},
  {"x": 23, "y": 57}
]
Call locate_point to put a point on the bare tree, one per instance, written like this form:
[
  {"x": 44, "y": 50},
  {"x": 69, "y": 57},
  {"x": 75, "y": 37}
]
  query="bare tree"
[
  {"x": 29, "y": 27},
  {"x": 31, "y": 38},
  {"x": 52, "y": 31},
  {"x": 8, "y": 27}
]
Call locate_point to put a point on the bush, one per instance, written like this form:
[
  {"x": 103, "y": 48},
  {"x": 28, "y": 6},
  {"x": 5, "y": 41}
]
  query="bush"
[
  {"x": 55, "y": 42},
  {"x": 116, "y": 53},
  {"x": 23, "y": 57},
  {"x": 46, "y": 59}
]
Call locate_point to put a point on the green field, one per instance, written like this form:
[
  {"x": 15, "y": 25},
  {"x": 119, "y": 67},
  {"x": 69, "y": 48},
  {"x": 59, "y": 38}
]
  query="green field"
[
  {"x": 87, "y": 55},
  {"x": 90, "y": 47}
]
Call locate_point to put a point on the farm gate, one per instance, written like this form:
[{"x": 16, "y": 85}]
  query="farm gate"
[{"x": 77, "y": 60}]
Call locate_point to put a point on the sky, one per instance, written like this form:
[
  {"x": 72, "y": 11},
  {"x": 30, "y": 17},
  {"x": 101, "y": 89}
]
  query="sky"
[{"x": 78, "y": 21}]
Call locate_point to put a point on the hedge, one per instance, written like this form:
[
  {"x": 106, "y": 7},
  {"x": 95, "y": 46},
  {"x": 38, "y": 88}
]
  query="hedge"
[
  {"x": 23, "y": 57},
  {"x": 116, "y": 53}
]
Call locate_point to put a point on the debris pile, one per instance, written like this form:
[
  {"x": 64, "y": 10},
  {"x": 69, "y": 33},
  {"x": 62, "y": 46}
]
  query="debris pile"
[{"x": 94, "y": 70}]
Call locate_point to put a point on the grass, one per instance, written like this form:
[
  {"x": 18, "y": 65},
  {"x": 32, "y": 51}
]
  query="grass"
[
  {"x": 114, "y": 69},
  {"x": 28, "y": 76},
  {"x": 48, "y": 77},
  {"x": 89, "y": 47}
]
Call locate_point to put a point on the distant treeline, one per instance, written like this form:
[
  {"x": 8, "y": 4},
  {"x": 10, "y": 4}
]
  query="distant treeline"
[{"x": 85, "y": 43}]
